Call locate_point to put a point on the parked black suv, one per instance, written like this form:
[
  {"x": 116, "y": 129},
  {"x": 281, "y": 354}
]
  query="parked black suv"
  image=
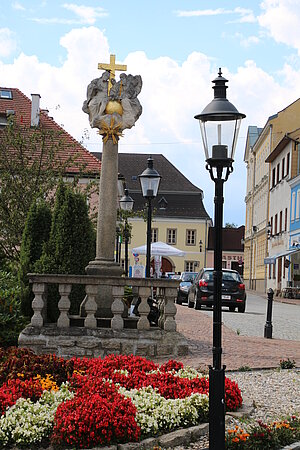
[{"x": 233, "y": 290}]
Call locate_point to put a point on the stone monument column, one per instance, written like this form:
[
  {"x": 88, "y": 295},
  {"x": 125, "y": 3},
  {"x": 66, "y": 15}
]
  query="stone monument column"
[
  {"x": 107, "y": 214},
  {"x": 112, "y": 107}
]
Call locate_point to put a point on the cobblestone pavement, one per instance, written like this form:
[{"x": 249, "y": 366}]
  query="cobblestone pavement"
[
  {"x": 285, "y": 318},
  {"x": 238, "y": 351}
]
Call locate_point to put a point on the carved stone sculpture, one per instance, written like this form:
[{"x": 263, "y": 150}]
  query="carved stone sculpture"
[{"x": 115, "y": 109}]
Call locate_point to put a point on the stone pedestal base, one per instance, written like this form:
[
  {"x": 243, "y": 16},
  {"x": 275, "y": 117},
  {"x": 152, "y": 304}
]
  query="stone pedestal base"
[
  {"x": 104, "y": 296},
  {"x": 77, "y": 341}
]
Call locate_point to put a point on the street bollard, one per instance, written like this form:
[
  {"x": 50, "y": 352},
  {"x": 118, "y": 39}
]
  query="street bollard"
[{"x": 268, "y": 324}]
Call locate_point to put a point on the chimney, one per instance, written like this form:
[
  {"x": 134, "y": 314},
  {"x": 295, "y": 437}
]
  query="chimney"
[{"x": 35, "y": 110}]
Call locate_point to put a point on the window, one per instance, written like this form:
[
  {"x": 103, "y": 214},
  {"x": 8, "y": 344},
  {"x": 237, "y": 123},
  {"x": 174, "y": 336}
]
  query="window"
[
  {"x": 190, "y": 237},
  {"x": 273, "y": 177},
  {"x": 298, "y": 205},
  {"x": 274, "y": 271},
  {"x": 287, "y": 164},
  {"x": 190, "y": 266},
  {"x": 280, "y": 222},
  {"x": 282, "y": 168},
  {"x": 3, "y": 120},
  {"x": 5, "y": 94},
  {"x": 171, "y": 236},
  {"x": 285, "y": 220},
  {"x": 278, "y": 173},
  {"x": 275, "y": 225},
  {"x": 154, "y": 234},
  {"x": 163, "y": 203},
  {"x": 271, "y": 226},
  {"x": 293, "y": 206}
]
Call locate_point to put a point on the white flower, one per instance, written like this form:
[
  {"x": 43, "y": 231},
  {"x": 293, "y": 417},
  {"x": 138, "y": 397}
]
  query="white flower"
[{"x": 26, "y": 422}]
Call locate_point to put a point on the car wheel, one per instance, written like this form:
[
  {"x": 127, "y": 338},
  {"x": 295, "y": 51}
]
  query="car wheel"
[
  {"x": 242, "y": 308},
  {"x": 231, "y": 308},
  {"x": 190, "y": 302},
  {"x": 197, "y": 304}
]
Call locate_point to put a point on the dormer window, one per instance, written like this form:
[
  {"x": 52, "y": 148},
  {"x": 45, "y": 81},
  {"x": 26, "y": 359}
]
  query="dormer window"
[
  {"x": 162, "y": 203},
  {"x": 3, "y": 120},
  {"x": 5, "y": 93}
]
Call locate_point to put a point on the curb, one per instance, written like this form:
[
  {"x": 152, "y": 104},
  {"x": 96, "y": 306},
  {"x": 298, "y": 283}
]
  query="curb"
[{"x": 294, "y": 446}]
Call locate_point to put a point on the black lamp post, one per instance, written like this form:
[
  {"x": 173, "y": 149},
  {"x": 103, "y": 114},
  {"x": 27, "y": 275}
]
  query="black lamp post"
[
  {"x": 149, "y": 180},
  {"x": 126, "y": 204},
  {"x": 219, "y": 125}
]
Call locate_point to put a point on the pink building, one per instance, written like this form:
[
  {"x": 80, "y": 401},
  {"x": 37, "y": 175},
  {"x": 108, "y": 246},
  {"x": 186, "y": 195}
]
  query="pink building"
[{"x": 233, "y": 248}]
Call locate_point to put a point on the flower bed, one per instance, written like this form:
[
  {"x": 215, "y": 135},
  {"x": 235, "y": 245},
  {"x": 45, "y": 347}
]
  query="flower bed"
[
  {"x": 264, "y": 436},
  {"x": 90, "y": 402}
]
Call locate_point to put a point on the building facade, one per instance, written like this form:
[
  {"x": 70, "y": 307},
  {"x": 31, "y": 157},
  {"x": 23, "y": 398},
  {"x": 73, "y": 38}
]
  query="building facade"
[
  {"x": 179, "y": 217},
  {"x": 232, "y": 249},
  {"x": 260, "y": 144}
]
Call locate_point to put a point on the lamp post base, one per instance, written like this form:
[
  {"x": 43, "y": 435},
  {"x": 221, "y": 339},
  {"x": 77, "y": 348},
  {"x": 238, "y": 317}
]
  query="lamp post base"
[{"x": 216, "y": 408}]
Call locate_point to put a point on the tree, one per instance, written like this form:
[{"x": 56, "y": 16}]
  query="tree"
[
  {"x": 36, "y": 234},
  {"x": 71, "y": 245},
  {"x": 230, "y": 225},
  {"x": 31, "y": 160}
]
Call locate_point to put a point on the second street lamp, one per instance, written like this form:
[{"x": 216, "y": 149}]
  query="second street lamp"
[
  {"x": 126, "y": 204},
  {"x": 219, "y": 125},
  {"x": 149, "y": 181}
]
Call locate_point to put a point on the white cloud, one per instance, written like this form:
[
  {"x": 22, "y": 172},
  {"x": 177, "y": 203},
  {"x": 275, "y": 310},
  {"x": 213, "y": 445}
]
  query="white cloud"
[
  {"x": 18, "y": 6},
  {"x": 8, "y": 42},
  {"x": 246, "y": 15},
  {"x": 87, "y": 14},
  {"x": 172, "y": 94},
  {"x": 282, "y": 20},
  {"x": 248, "y": 41}
]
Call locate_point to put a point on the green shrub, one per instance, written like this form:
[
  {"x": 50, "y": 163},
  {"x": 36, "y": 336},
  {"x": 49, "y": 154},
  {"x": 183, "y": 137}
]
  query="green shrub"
[
  {"x": 36, "y": 233},
  {"x": 11, "y": 320},
  {"x": 71, "y": 245},
  {"x": 287, "y": 364}
]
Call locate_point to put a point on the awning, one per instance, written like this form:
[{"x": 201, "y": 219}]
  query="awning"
[{"x": 271, "y": 259}]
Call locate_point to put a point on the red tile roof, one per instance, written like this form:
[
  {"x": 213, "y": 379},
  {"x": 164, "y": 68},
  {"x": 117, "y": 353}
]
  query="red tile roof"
[{"x": 21, "y": 105}]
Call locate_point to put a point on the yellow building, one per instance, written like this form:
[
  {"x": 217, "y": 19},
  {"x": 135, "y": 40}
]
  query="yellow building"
[
  {"x": 259, "y": 145},
  {"x": 179, "y": 217}
]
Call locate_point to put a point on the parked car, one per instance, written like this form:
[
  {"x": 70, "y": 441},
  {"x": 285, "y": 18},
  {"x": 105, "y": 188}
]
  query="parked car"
[
  {"x": 186, "y": 279},
  {"x": 233, "y": 290}
]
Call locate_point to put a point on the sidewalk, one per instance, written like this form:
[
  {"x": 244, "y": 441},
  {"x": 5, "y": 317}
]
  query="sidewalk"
[
  {"x": 238, "y": 351},
  {"x": 291, "y": 301}
]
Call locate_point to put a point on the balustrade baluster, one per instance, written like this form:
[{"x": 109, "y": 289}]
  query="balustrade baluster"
[
  {"x": 144, "y": 309},
  {"x": 64, "y": 305},
  {"x": 91, "y": 306},
  {"x": 117, "y": 308},
  {"x": 170, "y": 310},
  {"x": 39, "y": 304}
]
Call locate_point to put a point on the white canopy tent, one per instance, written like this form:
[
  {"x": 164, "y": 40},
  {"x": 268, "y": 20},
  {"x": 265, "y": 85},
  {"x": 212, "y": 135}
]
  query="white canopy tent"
[{"x": 159, "y": 249}]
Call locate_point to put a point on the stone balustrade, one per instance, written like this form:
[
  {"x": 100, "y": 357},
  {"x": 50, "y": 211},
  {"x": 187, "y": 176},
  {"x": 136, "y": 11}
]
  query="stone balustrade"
[
  {"x": 92, "y": 336},
  {"x": 166, "y": 292}
]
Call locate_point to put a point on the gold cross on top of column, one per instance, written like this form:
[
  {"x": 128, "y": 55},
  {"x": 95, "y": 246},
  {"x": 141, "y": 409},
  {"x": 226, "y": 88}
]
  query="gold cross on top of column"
[{"x": 112, "y": 67}]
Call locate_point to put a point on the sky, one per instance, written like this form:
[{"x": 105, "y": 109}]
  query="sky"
[{"x": 53, "y": 48}]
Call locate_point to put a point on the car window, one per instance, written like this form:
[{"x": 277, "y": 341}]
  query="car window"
[
  {"x": 231, "y": 276},
  {"x": 188, "y": 276},
  {"x": 208, "y": 276}
]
